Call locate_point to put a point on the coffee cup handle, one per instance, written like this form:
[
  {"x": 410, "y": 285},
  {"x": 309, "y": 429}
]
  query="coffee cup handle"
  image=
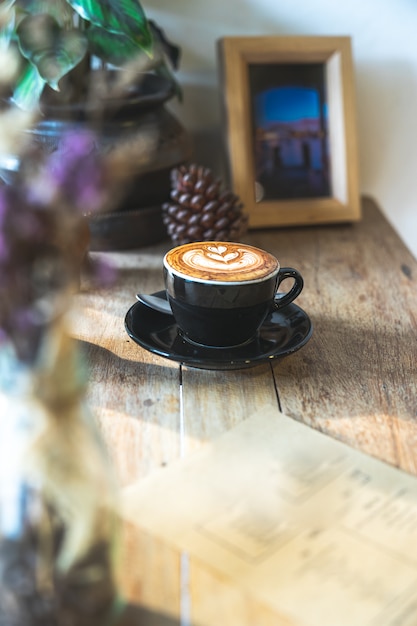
[{"x": 281, "y": 300}]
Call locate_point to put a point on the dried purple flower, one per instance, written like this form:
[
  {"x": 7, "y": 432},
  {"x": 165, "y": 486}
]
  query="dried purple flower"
[
  {"x": 44, "y": 237},
  {"x": 77, "y": 171}
]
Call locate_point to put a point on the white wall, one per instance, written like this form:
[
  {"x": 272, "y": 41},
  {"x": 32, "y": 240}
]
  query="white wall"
[{"x": 384, "y": 39}]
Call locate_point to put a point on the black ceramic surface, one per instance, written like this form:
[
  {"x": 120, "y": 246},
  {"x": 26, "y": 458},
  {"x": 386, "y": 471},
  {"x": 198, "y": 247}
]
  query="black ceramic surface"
[
  {"x": 284, "y": 331},
  {"x": 219, "y": 327},
  {"x": 226, "y": 314}
]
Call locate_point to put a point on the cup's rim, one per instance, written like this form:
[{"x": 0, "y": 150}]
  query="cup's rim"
[{"x": 207, "y": 281}]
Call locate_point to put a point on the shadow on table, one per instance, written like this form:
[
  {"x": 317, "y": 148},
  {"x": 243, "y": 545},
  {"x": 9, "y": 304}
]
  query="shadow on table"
[
  {"x": 352, "y": 368},
  {"x": 102, "y": 362},
  {"x": 363, "y": 349},
  {"x": 135, "y": 615}
]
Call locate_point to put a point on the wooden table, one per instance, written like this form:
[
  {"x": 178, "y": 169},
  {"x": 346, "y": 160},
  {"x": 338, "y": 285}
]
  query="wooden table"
[{"x": 356, "y": 380}]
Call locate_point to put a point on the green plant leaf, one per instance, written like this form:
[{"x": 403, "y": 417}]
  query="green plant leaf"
[
  {"x": 117, "y": 16},
  {"x": 60, "y": 10},
  {"x": 28, "y": 88},
  {"x": 113, "y": 48},
  {"x": 7, "y": 25},
  {"x": 6, "y": 6},
  {"x": 53, "y": 51}
]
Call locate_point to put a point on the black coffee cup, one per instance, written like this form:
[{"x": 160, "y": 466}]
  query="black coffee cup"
[{"x": 221, "y": 292}]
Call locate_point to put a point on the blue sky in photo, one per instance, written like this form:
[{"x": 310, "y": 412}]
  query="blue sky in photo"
[{"x": 286, "y": 104}]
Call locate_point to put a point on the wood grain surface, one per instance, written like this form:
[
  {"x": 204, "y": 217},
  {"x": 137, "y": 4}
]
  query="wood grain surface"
[{"x": 355, "y": 380}]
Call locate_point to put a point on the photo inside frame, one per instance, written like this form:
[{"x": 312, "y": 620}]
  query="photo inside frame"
[{"x": 290, "y": 130}]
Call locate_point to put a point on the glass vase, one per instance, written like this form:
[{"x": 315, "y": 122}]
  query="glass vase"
[{"x": 58, "y": 519}]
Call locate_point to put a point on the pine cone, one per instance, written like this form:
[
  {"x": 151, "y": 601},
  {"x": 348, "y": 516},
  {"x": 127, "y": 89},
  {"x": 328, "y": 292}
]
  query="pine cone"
[{"x": 199, "y": 210}]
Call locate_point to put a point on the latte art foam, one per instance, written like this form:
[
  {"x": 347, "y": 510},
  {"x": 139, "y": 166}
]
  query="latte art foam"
[{"x": 221, "y": 261}]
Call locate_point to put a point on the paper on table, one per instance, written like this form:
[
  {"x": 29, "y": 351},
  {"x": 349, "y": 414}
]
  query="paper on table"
[{"x": 318, "y": 531}]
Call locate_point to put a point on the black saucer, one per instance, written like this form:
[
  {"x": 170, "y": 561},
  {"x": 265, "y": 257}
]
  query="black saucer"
[{"x": 282, "y": 333}]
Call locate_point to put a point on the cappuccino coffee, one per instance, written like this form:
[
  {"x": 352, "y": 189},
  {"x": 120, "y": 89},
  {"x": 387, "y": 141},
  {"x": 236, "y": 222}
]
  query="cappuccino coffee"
[
  {"x": 221, "y": 292},
  {"x": 221, "y": 262}
]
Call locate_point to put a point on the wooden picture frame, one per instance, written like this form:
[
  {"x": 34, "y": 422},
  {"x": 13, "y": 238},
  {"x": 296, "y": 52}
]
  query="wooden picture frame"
[{"x": 290, "y": 126}]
